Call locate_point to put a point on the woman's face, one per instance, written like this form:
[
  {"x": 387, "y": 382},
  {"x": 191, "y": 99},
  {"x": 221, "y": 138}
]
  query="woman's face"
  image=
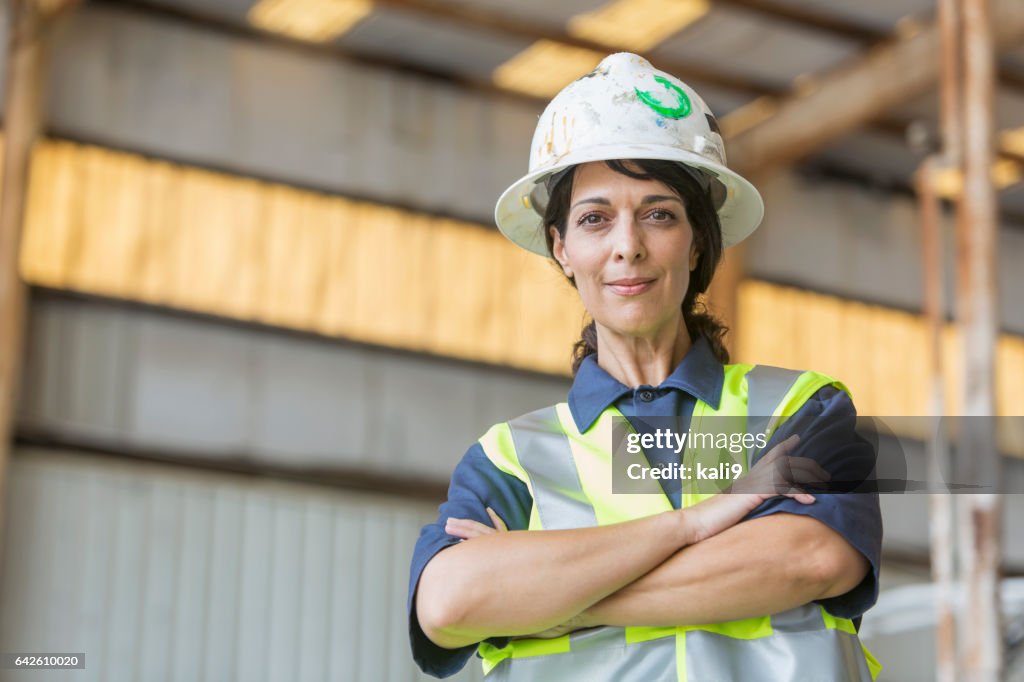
[{"x": 629, "y": 246}]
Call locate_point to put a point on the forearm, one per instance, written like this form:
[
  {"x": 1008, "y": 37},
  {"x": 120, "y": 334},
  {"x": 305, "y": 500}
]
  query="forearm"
[
  {"x": 522, "y": 582},
  {"x": 758, "y": 567}
]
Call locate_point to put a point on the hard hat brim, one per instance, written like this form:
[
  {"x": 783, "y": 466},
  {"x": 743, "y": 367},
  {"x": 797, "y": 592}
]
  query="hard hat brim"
[{"x": 739, "y": 215}]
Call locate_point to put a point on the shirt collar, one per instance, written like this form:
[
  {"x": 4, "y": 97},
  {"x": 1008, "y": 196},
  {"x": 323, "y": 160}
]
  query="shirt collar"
[{"x": 593, "y": 390}]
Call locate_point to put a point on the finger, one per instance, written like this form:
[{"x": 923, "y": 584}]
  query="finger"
[
  {"x": 468, "y": 523},
  {"x": 809, "y": 465},
  {"x": 499, "y": 525},
  {"x": 800, "y": 496},
  {"x": 465, "y": 528},
  {"x": 458, "y": 530},
  {"x": 780, "y": 450},
  {"x": 807, "y": 476},
  {"x": 787, "y": 446}
]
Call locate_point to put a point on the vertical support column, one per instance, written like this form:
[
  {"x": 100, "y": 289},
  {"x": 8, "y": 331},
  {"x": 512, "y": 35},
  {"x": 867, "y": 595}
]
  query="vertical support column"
[
  {"x": 940, "y": 503},
  {"x": 723, "y": 295},
  {"x": 941, "y": 507},
  {"x": 30, "y": 23},
  {"x": 979, "y": 517}
]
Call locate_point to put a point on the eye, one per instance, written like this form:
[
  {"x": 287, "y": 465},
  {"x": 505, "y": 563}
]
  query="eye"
[
  {"x": 661, "y": 215},
  {"x": 590, "y": 219}
]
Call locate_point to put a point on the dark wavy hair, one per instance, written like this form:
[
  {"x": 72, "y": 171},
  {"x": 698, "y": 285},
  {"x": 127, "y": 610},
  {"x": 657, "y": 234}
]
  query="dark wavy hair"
[{"x": 707, "y": 237}]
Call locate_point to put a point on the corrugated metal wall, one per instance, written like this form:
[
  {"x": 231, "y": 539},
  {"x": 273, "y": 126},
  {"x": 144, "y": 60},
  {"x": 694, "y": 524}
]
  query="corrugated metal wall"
[
  {"x": 139, "y": 380},
  {"x": 160, "y": 573}
]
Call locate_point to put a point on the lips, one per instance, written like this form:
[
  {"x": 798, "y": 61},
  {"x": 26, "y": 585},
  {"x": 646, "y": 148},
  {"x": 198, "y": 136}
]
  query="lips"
[{"x": 631, "y": 286}]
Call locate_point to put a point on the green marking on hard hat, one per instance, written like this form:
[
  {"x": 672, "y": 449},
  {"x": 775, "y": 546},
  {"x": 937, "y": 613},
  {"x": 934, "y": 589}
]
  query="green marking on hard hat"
[{"x": 680, "y": 110}]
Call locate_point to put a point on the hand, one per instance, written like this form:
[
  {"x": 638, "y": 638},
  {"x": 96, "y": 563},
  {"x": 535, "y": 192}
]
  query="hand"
[
  {"x": 776, "y": 473},
  {"x": 467, "y": 528}
]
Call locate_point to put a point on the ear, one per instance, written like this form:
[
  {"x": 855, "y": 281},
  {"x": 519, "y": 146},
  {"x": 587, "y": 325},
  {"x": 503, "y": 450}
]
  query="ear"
[
  {"x": 558, "y": 250},
  {"x": 694, "y": 255}
]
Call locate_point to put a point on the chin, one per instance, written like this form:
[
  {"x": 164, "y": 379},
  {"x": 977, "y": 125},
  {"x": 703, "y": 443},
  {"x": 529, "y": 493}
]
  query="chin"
[{"x": 638, "y": 325}]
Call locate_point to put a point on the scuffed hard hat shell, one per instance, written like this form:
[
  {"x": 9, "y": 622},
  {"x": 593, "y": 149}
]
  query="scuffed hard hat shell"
[{"x": 625, "y": 109}]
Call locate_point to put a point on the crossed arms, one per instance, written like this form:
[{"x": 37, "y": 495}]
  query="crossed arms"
[{"x": 689, "y": 566}]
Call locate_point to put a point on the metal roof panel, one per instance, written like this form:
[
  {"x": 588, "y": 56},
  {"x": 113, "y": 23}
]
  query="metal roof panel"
[{"x": 746, "y": 44}]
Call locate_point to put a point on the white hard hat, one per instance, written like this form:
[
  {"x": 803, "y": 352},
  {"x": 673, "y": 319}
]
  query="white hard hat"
[{"x": 625, "y": 109}]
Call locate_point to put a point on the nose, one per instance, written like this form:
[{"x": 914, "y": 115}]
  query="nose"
[{"x": 628, "y": 244}]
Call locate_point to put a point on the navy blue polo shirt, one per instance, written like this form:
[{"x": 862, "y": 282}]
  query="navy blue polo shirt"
[{"x": 476, "y": 483}]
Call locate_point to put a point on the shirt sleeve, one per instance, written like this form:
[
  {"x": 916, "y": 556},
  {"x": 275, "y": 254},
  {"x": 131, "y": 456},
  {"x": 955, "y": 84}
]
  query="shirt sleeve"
[
  {"x": 826, "y": 424},
  {"x": 475, "y": 485}
]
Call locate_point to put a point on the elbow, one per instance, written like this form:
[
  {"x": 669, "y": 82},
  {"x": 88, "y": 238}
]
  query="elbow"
[
  {"x": 440, "y": 625},
  {"x": 439, "y": 610},
  {"x": 835, "y": 570}
]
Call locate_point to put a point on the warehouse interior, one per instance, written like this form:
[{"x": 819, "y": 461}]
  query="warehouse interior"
[{"x": 256, "y": 308}]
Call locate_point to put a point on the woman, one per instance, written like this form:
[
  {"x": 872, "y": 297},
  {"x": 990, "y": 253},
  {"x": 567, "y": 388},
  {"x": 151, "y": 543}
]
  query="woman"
[{"x": 629, "y": 194}]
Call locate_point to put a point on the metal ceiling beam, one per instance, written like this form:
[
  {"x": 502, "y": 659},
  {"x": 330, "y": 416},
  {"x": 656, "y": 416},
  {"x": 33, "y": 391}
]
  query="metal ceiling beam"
[
  {"x": 855, "y": 94},
  {"x": 817, "y": 22},
  {"x": 502, "y": 24},
  {"x": 846, "y": 29},
  {"x": 810, "y": 20}
]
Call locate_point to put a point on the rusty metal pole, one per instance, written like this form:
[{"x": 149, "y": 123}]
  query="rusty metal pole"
[
  {"x": 30, "y": 21},
  {"x": 978, "y": 326},
  {"x": 940, "y": 502}
]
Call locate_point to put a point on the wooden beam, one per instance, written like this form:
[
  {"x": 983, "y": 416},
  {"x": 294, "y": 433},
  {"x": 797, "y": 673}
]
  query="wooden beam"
[
  {"x": 941, "y": 508},
  {"x": 940, "y": 504},
  {"x": 854, "y": 95},
  {"x": 31, "y": 22}
]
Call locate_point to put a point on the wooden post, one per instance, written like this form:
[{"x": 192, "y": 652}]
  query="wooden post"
[
  {"x": 979, "y": 518},
  {"x": 941, "y": 507},
  {"x": 723, "y": 295},
  {"x": 30, "y": 22},
  {"x": 940, "y": 503}
]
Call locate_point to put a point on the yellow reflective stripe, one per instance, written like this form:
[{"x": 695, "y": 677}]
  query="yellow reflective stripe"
[
  {"x": 521, "y": 648},
  {"x": 593, "y": 454},
  {"x": 681, "y": 656},
  {"x": 541, "y": 647},
  {"x": 834, "y": 623},
  {"x": 748, "y": 628},
  {"x": 734, "y": 391},
  {"x": 498, "y": 446},
  {"x": 873, "y": 665},
  {"x": 492, "y": 655},
  {"x": 645, "y": 633},
  {"x": 732, "y": 403}
]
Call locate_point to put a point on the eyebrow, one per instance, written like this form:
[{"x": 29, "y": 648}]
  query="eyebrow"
[{"x": 649, "y": 199}]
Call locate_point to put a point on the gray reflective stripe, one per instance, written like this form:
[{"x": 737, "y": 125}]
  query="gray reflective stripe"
[
  {"x": 544, "y": 453},
  {"x": 766, "y": 387},
  {"x": 801, "y": 619},
  {"x": 823, "y": 654},
  {"x": 598, "y": 655}
]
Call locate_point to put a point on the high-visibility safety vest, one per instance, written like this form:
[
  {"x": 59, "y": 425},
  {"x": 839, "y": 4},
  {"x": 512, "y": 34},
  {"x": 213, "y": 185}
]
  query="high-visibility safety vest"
[{"x": 569, "y": 475}]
